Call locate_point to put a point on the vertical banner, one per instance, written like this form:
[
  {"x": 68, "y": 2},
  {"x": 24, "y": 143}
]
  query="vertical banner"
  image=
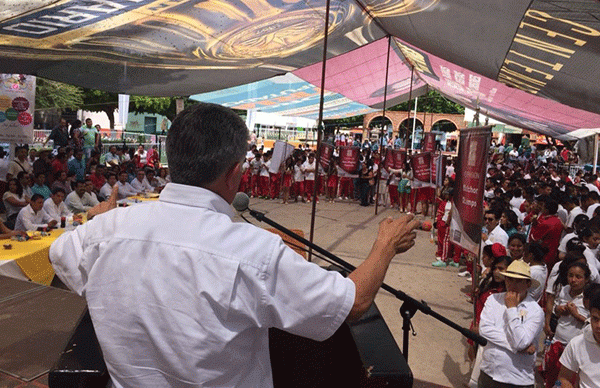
[
  {"x": 326, "y": 155},
  {"x": 399, "y": 158},
  {"x": 421, "y": 165},
  {"x": 428, "y": 142},
  {"x": 388, "y": 162},
  {"x": 17, "y": 104},
  {"x": 349, "y": 158},
  {"x": 281, "y": 151},
  {"x": 467, "y": 202}
]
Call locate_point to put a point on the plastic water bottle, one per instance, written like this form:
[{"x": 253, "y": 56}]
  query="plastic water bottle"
[
  {"x": 557, "y": 384},
  {"x": 547, "y": 343}
]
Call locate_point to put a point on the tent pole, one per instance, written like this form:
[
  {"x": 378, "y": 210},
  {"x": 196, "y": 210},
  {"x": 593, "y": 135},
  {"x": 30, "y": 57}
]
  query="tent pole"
[
  {"x": 319, "y": 131},
  {"x": 595, "y": 153},
  {"x": 381, "y": 147},
  {"x": 412, "y": 143},
  {"x": 412, "y": 70}
]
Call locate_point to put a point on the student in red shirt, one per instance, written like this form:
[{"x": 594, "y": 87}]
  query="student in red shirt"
[{"x": 547, "y": 228}]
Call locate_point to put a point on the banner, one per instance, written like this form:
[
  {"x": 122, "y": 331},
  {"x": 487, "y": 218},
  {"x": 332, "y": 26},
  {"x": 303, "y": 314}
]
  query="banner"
[
  {"x": 388, "y": 162},
  {"x": 399, "y": 158},
  {"x": 467, "y": 201},
  {"x": 421, "y": 165},
  {"x": 281, "y": 151},
  {"x": 17, "y": 104},
  {"x": 438, "y": 169},
  {"x": 326, "y": 155},
  {"x": 428, "y": 142},
  {"x": 349, "y": 158}
]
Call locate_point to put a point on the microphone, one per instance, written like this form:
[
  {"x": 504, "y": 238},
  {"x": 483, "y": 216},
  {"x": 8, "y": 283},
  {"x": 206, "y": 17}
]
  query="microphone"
[{"x": 241, "y": 202}]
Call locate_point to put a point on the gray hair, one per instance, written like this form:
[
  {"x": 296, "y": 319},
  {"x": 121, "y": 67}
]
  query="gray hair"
[{"x": 204, "y": 141}]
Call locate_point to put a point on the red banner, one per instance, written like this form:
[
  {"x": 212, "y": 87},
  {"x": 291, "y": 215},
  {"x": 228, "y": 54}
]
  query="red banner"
[
  {"x": 428, "y": 143},
  {"x": 326, "y": 154},
  {"x": 467, "y": 202},
  {"x": 421, "y": 166},
  {"x": 388, "y": 162},
  {"x": 349, "y": 158},
  {"x": 399, "y": 158}
]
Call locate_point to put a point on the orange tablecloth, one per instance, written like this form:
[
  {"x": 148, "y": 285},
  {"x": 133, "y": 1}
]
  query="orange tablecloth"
[{"x": 32, "y": 257}]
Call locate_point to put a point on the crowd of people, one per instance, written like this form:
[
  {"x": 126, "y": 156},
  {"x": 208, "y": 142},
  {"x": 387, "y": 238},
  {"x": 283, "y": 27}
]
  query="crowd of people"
[
  {"x": 40, "y": 187},
  {"x": 539, "y": 270}
]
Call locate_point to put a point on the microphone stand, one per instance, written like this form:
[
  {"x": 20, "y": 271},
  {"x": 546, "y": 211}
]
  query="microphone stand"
[{"x": 408, "y": 308}]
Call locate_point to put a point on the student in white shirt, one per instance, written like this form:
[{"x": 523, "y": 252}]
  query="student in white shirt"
[
  {"x": 581, "y": 357},
  {"x": 55, "y": 207},
  {"x": 32, "y": 216}
]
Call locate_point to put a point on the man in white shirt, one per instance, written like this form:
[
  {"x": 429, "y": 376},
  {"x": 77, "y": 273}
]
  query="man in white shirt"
[
  {"x": 141, "y": 184},
  {"x": 74, "y": 200},
  {"x": 32, "y": 216},
  {"x": 592, "y": 201},
  {"x": 310, "y": 167},
  {"x": 54, "y": 207},
  {"x": 511, "y": 322},
  {"x": 188, "y": 301},
  {"x": 89, "y": 197},
  {"x": 105, "y": 190},
  {"x": 125, "y": 188},
  {"x": 495, "y": 232},
  {"x": 581, "y": 357},
  {"x": 111, "y": 158}
]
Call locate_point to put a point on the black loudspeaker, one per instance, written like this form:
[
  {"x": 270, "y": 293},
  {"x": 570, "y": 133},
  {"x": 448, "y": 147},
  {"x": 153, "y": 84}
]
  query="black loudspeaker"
[{"x": 361, "y": 354}]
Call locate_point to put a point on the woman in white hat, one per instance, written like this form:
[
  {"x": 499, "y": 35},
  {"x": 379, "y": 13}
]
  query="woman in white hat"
[{"x": 511, "y": 322}]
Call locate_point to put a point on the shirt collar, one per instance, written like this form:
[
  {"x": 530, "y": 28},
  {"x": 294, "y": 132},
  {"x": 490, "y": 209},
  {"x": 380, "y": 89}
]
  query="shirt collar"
[{"x": 195, "y": 196}]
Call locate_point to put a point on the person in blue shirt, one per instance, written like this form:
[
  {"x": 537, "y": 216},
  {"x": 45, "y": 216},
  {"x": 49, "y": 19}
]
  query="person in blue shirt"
[
  {"x": 77, "y": 165},
  {"x": 40, "y": 186}
]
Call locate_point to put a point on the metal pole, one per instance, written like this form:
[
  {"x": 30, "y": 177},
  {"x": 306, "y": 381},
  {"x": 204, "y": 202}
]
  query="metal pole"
[
  {"x": 595, "y": 153},
  {"x": 412, "y": 70},
  {"x": 412, "y": 143},
  {"x": 319, "y": 130},
  {"x": 381, "y": 161}
]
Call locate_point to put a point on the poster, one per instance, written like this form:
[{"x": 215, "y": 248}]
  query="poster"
[
  {"x": 17, "y": 104},
  {"x": 349, "y": 158},
  {"x": 421, "y": 165},
  {"x": 428, "y": 142},
  {"x": 467, "y": 201},
  {"x": 326, "y": 155},
  {"x": 281, "y": 151}
]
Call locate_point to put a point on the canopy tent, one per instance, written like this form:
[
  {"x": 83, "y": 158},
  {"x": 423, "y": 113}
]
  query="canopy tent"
[{"x": 532, "y": 64}]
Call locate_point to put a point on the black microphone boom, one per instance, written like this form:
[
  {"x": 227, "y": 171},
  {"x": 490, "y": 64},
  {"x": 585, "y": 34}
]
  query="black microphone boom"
[{"x": 410, "y": 305}]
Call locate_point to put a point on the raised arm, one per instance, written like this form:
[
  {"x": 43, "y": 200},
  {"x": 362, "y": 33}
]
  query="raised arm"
[{"x": 395, "y": 236}]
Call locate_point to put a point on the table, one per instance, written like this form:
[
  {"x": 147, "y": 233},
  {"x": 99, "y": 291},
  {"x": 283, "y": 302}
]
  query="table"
[
  {"x": 28, "y": 260},
  {"x": 138, "y": 199}
]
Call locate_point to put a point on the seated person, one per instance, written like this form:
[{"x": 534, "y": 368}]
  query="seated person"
[
  {"x": 74, "y": 200},
  {"x": 5, "y": 232},
  {"x": 111, "y": 158},
  {"x": 98, "y": 177},
  {"x": 40, "y": 186},
  {"x": 32, "y": 216},
  {"x": 61, "y": 180},
  {"x": 125, "y": 189},
  {"x": 107, "y": 188},
  {"x": 55, "y": 207},
  {"x": 140, "y": 183},
  {"x": 89, "y": 198}
]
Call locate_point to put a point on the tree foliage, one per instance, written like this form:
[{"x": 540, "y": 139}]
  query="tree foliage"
[
  {"x": 100, "y": 101},
  {"x": 166, "y": 106},
  {"x": 432, "y": 102},
  {"x": 57, "y": 95}
]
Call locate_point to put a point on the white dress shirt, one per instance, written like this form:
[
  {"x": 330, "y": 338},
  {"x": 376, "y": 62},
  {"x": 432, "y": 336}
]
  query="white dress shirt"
[
  {"x": 510, "y": 331},
  {"x": 27, "y": 219},
  {"x": 590, "y": 210},
  {"x": 143, "y": 186},
  {"x": 187, "y": 302},
  {"x": 572, "y": 214},
  {"x": 498, "y": 235},
  {"x": 75, "y": 203},
  {"x": 105, "y": 191},
  {"x": 54, "y": 212},
  {"x": 568, "y": 327},
  {"x": 90, "y": 199},
  {"x": 126, "y": 190}
]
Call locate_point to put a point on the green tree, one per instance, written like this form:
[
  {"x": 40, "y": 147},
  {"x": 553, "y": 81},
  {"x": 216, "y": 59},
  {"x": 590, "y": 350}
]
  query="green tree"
[
  {"x": 432, "y": 102},
  {"x": 101, "y": 101},
  {"x": 57, "y": 95},
  {"x": 166, "y": 106}
]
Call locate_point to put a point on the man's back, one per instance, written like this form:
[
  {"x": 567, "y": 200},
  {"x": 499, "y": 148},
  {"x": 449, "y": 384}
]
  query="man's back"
[{"x": 187, "y": 300}]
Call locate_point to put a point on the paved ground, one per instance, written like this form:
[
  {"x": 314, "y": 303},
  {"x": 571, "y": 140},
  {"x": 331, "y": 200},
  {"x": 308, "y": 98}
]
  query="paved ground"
[{"x": 437, "y": 353}]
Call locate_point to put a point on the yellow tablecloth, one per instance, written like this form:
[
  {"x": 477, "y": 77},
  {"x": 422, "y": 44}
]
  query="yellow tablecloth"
[
  {"x": 32, "y": 257},
  {"x": 143, "y": 199}
]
